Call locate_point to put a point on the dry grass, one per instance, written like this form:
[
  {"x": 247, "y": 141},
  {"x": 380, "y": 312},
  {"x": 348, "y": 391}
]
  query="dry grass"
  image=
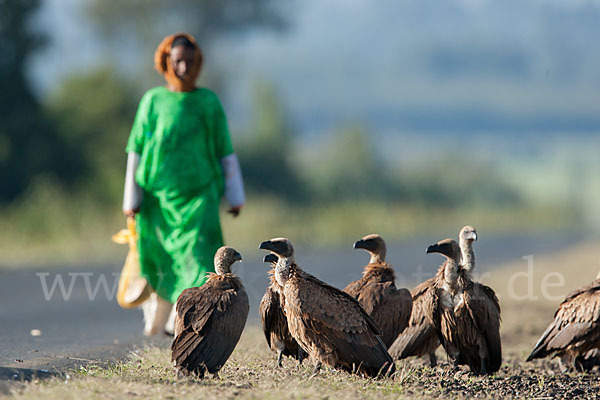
[{"x": 251, "y": 373}]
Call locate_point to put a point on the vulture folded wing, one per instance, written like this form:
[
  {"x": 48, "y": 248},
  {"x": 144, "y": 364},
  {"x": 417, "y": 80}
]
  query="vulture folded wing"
[
  {"x": 576, "y": 317},
  {"x": 212, "y": 329},
  {"x": 354, "y": 288},
  {"x": 484, "y": 309},
  {"x": 341, "y": 323},
  {"x": 268, "y": 312},
  {"x": 392, "y": 312},
  {"x": 420, "y": 337}
]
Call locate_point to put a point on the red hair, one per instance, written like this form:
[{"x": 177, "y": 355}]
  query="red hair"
[{"x": 162, "y": 63}]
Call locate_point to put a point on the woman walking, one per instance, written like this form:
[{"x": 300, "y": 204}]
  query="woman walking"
[{"x": 180, "y": 163}]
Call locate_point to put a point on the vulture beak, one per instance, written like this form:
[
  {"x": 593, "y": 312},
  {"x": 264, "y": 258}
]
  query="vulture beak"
[
  {"x": 472, "y": 236},
  {"x": 368, "y": 244},
  {"x": 237, "y": 256},
  {"x": 270, "y": 258},
  {"x": 276, "y": 247},
  {"x": 434, "y": 248},
  {"x": 266, "y": 245}
]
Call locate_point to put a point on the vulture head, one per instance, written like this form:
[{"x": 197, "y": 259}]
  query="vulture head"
[
  {"x": 447, "y": 247},
  {"x": 280, "y": 246},
  {"x": 467, "y": 233},
  {"x": 284, "y": 252},
  {"x": 224, "y": 259},
  {"x": 271, "y": 258},
  {"x": 375, "y": 245}
]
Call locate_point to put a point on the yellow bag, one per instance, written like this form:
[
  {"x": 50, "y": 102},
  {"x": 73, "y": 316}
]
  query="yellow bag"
[{"x": 133, "y": 288}]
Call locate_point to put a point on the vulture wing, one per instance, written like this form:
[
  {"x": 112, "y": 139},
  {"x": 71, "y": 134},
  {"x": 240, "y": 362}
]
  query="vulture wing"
[
  {"x": 337, "y": 324},
  {"x": 274, "y": 323},
  {"x": 420, "y": 337},
  {"x": 392, "y": 310},
  {"x": 213, "y": 318},
  {"x": 484, "y": 309},
  {"x": 577, "y": 317}
]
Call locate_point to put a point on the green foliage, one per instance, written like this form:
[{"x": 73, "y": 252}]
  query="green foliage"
[
  {"x": 453, "y": 182},
  {"x": 150, "y": 20},
  {"x": 347, "y": 166},
  {"x": 266, "y": 154},
  {"x": 93, "y": 113},
  {"x": 29, "y": 145}
]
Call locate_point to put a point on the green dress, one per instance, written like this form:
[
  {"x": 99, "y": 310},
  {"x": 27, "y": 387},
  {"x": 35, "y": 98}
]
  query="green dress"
[{"x": 181, "y": 138}]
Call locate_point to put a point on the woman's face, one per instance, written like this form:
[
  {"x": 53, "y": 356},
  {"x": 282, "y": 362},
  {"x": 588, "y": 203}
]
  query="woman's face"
[{"x": 182, "y": 58}]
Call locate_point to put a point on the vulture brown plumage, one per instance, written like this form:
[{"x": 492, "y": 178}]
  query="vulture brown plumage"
[
  {"x": 328, "y": 323},
  {"x": 466, "y": 314},
  {"x": 274, "y": 322},
  {"x": 210, "y": 319},
  {"x": 574, "y": 335},
  {"x": 420, "y": 338},
  {"x": 377, "y": 293}
]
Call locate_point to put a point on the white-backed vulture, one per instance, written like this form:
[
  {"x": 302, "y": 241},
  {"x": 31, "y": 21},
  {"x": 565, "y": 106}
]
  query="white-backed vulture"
[
  {"x": 328, "y": 323},
  {"x": 466, "y": 314},
  {"x": 420, "y": 338},
  {"x": 273, "y": 320},
  {"x": 377, "y": 293},
  {"x": 575, "y": 331},
  {"x": 210, "y": 319}
]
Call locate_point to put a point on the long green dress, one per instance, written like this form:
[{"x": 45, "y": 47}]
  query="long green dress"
[{"x": 181, "y": 138}]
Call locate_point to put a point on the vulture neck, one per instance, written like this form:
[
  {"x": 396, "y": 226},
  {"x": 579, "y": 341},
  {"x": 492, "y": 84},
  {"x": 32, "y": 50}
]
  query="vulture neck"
[
  {"x": 451, "y": 275},
  {"x": 377, "y": 258},
  {"x": 222, "y": 268},
  {"x": 283, "y": 269},
  {"x": 468, "y": 255}
]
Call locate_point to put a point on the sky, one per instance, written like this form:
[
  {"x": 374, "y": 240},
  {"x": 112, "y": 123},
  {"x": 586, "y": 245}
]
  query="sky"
[{"x": 409, "y": 65}]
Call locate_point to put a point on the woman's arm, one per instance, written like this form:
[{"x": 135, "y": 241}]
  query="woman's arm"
[
  {"x": 234, "y": 185},
  {"x": 132, "y": 194}
]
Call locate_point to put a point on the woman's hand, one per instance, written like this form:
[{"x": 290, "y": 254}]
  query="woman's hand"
[
  {"x": 235, "y": 211},
  {"x": 131, "y": 213}
]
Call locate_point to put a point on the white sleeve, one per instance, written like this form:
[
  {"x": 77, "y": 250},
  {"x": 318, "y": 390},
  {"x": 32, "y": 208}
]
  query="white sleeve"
[
  {"x": 132, "y": 196},
  {"x": 234, "y": 184}
]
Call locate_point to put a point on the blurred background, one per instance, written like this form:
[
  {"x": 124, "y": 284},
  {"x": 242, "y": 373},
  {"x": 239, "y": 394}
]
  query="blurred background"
[{"x": 408, "y": 118}]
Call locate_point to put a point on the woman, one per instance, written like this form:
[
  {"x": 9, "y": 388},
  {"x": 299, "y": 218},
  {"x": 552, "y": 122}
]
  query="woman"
[{"x": 180, "y": 161}]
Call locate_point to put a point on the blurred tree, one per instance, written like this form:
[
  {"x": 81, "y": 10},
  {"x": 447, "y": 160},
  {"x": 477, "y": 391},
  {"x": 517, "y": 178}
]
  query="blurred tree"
[
  {"x": 93, "y": 113},
  {"x": 150, "y": 20},
  {"x": 348, "y": 167},
  {"x": 139, "y": 25},
  {"x": 28, "y": 143},
  {"x": 266, "y": 155}
]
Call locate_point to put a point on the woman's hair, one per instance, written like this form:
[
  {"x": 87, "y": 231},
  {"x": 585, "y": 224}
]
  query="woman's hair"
[
  {"x": 162, "y": 60},
  {"x": 183, "y": 41}
]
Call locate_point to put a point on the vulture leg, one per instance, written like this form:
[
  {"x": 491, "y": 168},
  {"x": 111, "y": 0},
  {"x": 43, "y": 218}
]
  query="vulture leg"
[
  {"x": 432, "y": 360},
  {"x": 316, "y": 369},
  {"x": 301, "y": 355},
  {"x": 483, "y": 368},
  {"x": 279, "y": 358},
  {"x": 563, "y": 364},
  {"x": 216, "y": 375}
]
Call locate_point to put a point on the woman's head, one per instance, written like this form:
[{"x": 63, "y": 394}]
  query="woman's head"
[{"x": 179, "y": 60}]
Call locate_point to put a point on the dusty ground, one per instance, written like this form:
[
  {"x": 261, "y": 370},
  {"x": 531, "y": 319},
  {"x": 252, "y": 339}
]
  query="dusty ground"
[{"x": 250, "y": 373}]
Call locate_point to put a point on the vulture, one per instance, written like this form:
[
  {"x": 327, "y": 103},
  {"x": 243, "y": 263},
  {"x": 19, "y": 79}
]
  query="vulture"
[
  {"x": 377, "y": 293},
  {"x": 466, "y": 314},
  {"x": 274, "y": 322},
  {"x": 420, "y": 337},
  {"x": 210, "y": 319},
  {"x": 574, "y": 335},
  {"x": 328, "y": 323}
]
